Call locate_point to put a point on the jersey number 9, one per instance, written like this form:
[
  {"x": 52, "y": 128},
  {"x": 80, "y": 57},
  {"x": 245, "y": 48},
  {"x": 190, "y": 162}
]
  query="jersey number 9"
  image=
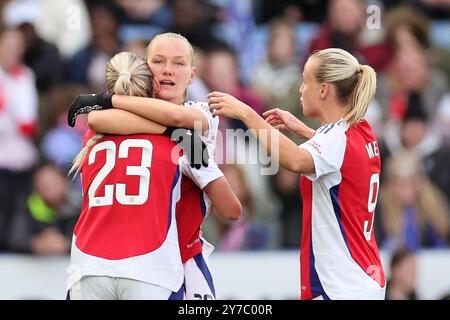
[{"x": 371, "y": 204}]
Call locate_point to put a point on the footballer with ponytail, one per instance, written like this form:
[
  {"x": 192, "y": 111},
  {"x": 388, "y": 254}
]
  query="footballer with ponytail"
[
  {"x": 126, "y": 74},
  {"x": 340, "y": 167}
]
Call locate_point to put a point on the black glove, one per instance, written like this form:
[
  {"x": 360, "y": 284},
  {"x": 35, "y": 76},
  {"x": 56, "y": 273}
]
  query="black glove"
[
  {"x": 191, "y": 143},
  {"x": 86, "y": 103}
]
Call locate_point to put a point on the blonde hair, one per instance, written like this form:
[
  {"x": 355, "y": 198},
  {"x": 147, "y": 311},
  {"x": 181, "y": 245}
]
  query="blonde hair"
[
  {"x": 126, "y": 74},
  {"x": 355, "y": 84},
  {"x": 430, "y": 202}
]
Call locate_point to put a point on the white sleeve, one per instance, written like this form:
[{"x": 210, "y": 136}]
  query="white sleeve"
[
  {"x": 25, "y": 107},
  {"x": 213, "y": 125},
  {"x": 327, "y": 149},
  {"x": 203, "y": 176}
]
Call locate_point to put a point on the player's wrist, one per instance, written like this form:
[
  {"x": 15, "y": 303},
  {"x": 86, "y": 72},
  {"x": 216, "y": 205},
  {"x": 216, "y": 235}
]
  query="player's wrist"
[
  {"x": 309, "y": 133},
  {"x": 105, "y": 100},
  {"x": 246, "y": 113}
]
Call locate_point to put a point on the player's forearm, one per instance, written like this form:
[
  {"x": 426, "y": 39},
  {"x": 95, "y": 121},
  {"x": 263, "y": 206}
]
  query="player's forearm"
[
  {"x": 115, "y": 121},
  {"x": 303, "y": 131},
  {"x": 278, "y": 146},
  {"x": 163, "y": 112},
  {"x": 223, "y": 199}
]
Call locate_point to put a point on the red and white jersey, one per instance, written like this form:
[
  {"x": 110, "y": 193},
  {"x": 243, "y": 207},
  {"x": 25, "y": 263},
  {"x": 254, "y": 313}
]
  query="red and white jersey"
[
  {"x": 127, "y": 227},
  {"x": 18, "y": 118},
  {"x": 195, "y": 205},
  {"x": 339, "y": 255}
]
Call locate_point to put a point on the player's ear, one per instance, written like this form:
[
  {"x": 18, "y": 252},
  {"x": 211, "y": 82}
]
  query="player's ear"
[
  {"x": 324, "y": 89},
  {"x": 193, "y": 73}
]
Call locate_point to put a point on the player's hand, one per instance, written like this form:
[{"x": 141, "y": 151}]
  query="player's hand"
[
  {"x": 224, "y": 104},
  {"x": 86, "y": 103},
  {"x": 193, "y": 146},
  {"x": 284, "y": 120}
]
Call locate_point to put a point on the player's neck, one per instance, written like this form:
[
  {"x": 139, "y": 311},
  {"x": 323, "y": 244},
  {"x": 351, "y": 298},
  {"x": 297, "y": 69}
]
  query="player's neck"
[{"x": 333, "y": 114}]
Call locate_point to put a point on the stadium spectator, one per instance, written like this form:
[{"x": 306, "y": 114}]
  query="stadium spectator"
[
  {"x": 63, "y": 23},
  {"x": 143, "y": 19},
  {"x": 406, "y": 27},
  {"x": 414, "y": 132},
  {"x": 87, "y": 66},
  {"x": 18, "y": 127},
  {"x": 417, "y": 135},
  {"x": 413, "y": 212},
  {"x": 221, "y": 74},
  {"x": 191, "y": 20},
  {"x": 45, "y": 225},
  {"x": 40, "y": 55},
  {"x": 411, "y": 77},
  {"x": 345, "y": 28},
  {"x": 276, "y": 79},
  {"x": 402, "y": 283},
  {"x": 153, "y": 13},
  {"x": 435, "y": 9}
]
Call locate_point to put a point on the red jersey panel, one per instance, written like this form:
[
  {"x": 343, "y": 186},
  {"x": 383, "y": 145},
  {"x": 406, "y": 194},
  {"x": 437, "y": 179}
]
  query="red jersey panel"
[
  {"x": 357, "y": 194},
  {"x": 191, "y": 210},
  {"x": 127, "y": 184}
]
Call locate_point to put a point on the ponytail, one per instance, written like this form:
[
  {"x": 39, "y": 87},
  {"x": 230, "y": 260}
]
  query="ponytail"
[
  {"x": 79, "y": 159},
  {"x": 126, "y": 74},
  {"x": 361, "y": 95},
  {"x": 355, "y": 84}
]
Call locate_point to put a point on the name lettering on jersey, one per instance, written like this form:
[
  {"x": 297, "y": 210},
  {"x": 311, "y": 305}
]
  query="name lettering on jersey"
[
  {"x": 193, "y": 243},
  {"x": 315, "y": 145},
  {"x": 372, "y": 149},
  {"x": 206, "y": 311}
]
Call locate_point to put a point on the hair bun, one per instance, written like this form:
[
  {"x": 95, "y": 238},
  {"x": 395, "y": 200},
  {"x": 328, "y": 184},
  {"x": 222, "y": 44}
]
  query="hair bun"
[{"x": 125, "y": 74}]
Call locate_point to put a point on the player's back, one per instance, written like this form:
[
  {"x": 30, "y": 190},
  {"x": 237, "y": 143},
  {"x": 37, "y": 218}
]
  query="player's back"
[
  {"x": 127, "y": 227},
  {"x": 127, "y": 185},
  {"x": 358, "y": 193}
]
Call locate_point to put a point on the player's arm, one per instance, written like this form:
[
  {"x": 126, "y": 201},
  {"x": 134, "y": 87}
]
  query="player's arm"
[
  {"x": 163, "y": 112},
  {"x": 116, "y": 121},
  {"x": 211, "y": 180},
  {"x": 160, "y": 111},
  {"x": 223, "y": 199},
  {"x": 279, "y": 146}
]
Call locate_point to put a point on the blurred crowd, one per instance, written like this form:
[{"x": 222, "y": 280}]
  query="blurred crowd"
[{"x": 53, "y": 50}]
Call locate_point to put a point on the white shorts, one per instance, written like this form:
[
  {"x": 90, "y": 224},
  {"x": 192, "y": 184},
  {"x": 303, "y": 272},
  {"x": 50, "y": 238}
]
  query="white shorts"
[
  {"x": 198, "y": 281},
  {"x": 110, "y": 288}
]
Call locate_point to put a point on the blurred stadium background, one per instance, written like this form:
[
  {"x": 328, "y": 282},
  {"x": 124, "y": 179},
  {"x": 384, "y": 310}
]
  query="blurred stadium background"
[{"x": 52, "y": 50}]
